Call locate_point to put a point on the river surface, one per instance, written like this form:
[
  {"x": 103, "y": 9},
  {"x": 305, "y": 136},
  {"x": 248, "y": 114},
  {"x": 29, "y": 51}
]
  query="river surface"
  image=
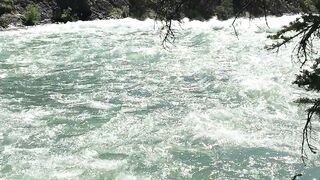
[{"x": 104, "y": 100}]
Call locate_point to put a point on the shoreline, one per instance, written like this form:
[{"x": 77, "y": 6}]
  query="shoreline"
[
  {"x": 150, "y": 26},
  {"x": 14, "y": 12},
  {"x": 185, "y": 20}
]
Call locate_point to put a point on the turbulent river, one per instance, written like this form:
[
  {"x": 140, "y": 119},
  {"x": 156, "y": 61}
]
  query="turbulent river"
[{"x": 104, "y": 100}]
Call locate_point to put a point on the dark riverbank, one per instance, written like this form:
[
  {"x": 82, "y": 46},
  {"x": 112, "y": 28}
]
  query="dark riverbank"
[{"x": 52, "y": 11}]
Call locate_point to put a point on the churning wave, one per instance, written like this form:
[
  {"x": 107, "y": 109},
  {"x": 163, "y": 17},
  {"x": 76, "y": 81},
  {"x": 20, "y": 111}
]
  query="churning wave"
[{"x": 104, "y": 100}]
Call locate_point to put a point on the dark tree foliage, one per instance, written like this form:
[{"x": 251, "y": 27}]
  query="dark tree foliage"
[
  {"x": 167, "y": 12},
  {"x": 306, "y": 30}
]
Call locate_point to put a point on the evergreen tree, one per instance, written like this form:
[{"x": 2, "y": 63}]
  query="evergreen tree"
[{"x": 307, "y": 30}]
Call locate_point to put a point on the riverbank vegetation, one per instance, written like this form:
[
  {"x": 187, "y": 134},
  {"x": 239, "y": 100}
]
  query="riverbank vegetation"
[
  {"x": 31, "y": 16},
  {"x": 14, "y": 11}
]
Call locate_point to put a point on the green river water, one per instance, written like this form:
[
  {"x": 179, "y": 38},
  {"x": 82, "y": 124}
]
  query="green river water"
[{"x": 104, "y": 100}]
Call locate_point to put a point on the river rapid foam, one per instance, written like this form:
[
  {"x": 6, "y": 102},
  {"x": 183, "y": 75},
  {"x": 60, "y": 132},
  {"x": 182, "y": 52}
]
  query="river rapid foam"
[{"x": 104, "y": 100}]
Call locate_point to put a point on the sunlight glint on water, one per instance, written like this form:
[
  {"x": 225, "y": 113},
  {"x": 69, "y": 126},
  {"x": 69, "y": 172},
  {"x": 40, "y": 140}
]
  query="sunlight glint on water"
[{"x": 104, "y": 100}]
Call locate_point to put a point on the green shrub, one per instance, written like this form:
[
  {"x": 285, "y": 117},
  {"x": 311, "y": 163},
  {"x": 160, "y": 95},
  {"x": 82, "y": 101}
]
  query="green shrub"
[
  {"x": 67, "y": 15},
  {"x": 116, "y": 13},
  {"x": 32, "y": 15}
]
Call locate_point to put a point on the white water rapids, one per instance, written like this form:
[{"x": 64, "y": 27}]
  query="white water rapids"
[{"x": 104, "y": 100}]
